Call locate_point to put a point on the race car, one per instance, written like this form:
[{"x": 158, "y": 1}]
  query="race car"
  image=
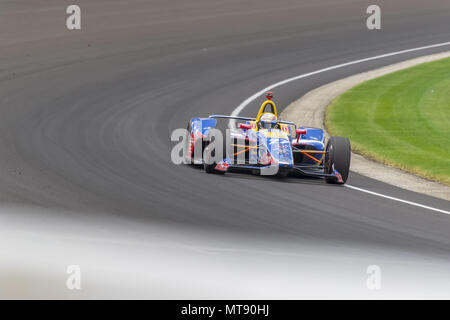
[{"x": 266, "y": 145}]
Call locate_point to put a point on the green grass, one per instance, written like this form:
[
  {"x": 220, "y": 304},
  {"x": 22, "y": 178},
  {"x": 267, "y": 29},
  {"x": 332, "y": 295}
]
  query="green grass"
[{"x": 401, "y": 119}]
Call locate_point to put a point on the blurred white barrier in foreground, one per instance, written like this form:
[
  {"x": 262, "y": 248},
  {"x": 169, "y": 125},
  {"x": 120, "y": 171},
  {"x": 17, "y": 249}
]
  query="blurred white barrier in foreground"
[{"x": 118, "y": 259}]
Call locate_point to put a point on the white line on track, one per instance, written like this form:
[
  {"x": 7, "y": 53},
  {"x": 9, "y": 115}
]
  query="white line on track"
[
  {"x": 397, "y": 199},
  {"x": 246, "y": 102},
  {"x": 278, "y": 84}
]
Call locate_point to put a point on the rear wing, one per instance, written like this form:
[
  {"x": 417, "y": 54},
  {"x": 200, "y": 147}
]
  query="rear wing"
[{"x": 218, "y": 116}]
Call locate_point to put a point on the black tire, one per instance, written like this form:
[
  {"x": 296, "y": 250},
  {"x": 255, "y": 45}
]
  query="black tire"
[
  {"x": 210, "y": 166},
  {"x": 282, "y": 173},
  {"x": 338, "y": 158}
]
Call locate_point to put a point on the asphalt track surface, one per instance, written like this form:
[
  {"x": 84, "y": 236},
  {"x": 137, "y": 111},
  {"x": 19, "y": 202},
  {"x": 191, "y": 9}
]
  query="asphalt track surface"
[{"x": 86, "y": 116}]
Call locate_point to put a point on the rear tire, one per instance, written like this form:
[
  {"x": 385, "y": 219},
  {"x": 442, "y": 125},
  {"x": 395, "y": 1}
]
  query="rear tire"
[{"x": 337, "y": 158}]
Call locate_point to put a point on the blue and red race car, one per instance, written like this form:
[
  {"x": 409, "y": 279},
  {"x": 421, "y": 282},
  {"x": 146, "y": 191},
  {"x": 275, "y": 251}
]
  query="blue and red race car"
[{"x": 267, "y": 146}]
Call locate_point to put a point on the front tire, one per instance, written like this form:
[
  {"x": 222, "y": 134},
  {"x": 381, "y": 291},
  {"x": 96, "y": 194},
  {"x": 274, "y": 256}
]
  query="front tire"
[
  {"x": 337, "y": 158},
  {"x": 209, "y": 164},
  {"x": 282, "y": 173}
]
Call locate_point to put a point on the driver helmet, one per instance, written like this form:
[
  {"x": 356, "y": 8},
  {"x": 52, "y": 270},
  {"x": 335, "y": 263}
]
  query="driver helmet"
[{"x": 268, "y": 121}]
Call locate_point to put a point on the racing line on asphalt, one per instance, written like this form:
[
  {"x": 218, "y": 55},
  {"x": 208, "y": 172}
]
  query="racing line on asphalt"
[
  {"x": 246, "y": 102},
  {"x": 397, "y": 199}
]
